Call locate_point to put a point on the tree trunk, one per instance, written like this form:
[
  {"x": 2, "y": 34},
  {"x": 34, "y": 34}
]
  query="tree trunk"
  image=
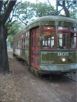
[
  {"x": 4, "y": 66},
  {"x": 66, "y": 10}
]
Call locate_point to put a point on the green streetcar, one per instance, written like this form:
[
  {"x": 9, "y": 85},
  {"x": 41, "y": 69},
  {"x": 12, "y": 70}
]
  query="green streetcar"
[{"x": 48, "y": 45}]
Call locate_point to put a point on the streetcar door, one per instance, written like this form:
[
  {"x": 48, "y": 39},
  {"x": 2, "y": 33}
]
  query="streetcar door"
[{"x": 34, "y": 49}]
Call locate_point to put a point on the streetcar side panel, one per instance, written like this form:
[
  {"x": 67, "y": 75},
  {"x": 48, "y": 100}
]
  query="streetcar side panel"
[{"x": 17, "y": 45}]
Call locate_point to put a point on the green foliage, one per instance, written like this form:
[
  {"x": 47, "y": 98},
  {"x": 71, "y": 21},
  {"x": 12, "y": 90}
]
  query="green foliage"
[
  {"x": 43, "y": 9},
  {"x": 13, "y": 27},
  {"x": 26, "y": 11},
  {"x": 73, "y": 15},
  {"x": 10, "y": 40}
]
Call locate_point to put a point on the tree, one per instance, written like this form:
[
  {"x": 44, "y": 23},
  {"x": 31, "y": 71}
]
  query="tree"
[
  {"x": 25, "y": 10},
  {"x": 43, "y": 9},
  {"x": 5, "y": 10},
  {"x": 28, "y": 11},
  {"x": 13, "y": 28},
  {"x": 67, "y": 6}
]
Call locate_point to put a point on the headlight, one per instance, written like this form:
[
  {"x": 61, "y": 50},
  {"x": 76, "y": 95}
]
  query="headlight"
[{"x": 63, "y": 59}]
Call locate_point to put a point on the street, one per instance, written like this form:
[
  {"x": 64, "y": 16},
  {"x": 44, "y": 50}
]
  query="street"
[{"x": 20, "y": 85}]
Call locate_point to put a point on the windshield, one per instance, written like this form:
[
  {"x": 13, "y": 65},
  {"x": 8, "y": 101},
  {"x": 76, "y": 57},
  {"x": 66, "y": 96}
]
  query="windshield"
[
  {"x": 62, "y": 38},
  {"x": 47, "y": 38}
]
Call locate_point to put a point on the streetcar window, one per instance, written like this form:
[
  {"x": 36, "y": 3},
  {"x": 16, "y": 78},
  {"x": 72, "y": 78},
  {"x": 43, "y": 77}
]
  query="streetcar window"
[
  {"x": 52, "y": 41},
  {"x": 73, "y": 40},
  {"x": 65, "y": 24},
  {"x": 18, "y": 44},
  {"x": 62, "y": 40},
  {"x": 47, "y": 41},
  {"x": 47, "y": 36},
  {"x": 23, "y": 43}
]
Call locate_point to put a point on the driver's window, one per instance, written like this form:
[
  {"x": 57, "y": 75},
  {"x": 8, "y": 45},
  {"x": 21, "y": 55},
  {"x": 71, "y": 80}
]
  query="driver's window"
[{"x": 47, "y": 41}]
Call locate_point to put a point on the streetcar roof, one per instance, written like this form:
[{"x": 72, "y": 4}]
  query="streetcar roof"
[
  {"x": 38, "y": 21},
  {"x": 55, "y": 18}
]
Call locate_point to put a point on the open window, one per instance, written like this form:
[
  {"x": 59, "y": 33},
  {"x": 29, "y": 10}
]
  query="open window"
[{"x": 47, "y": 37}]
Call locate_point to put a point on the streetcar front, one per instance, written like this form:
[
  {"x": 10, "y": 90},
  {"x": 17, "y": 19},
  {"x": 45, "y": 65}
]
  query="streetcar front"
[{"x": 58, "y": 43}]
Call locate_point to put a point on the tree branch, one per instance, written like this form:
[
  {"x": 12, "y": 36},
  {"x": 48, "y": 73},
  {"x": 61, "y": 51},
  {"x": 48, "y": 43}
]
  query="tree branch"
[
  {"x": 8, "y": 10},
  {"x": 22, "y": 20},
  {"x": 1, "y": 4}
]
